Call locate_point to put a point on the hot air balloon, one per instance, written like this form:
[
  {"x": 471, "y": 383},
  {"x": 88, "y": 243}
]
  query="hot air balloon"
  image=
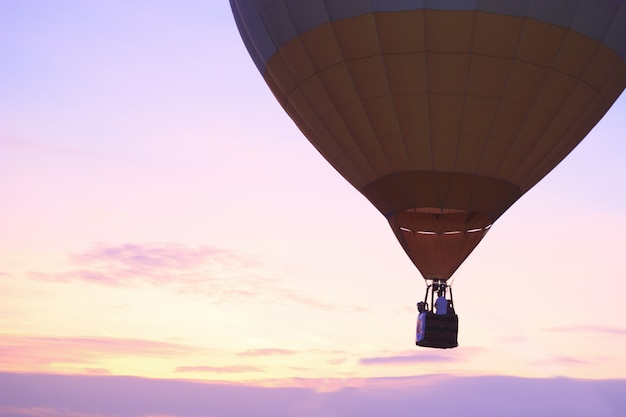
[{"x": 442, "y": 113}]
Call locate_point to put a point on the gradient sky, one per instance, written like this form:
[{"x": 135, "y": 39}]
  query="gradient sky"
[{"x": 161, "y": 217}]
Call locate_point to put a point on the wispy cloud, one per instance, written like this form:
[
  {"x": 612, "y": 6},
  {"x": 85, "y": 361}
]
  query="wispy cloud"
[
  {"x": 420, "y": 356},
  {"x": 97, "y": 371},
  {"x": 38, "y": 352},
  {"x": 266, "y": 352},
  {"x": 151, "y": 263},
  {"x": 587, "y": 329},
  {"x": 149, "y": 258},
  {"x": 562, "y": 361},
  {"x": 215, "y": 273},
  {"x": 408, "y": 358},
  {"x": 235, "y": 369}
]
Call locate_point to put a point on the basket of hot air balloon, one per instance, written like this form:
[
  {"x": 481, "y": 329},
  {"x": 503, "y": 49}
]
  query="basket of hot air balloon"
[{"x": 442, "y": 113}]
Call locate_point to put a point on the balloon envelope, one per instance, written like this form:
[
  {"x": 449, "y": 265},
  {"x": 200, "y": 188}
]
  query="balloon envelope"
[{"x": 442, "y": 113}]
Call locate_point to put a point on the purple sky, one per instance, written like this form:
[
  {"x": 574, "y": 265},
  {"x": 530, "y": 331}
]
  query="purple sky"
[
  {"x": 488, "y": 396},
  {"x": 165, "y": 231}
]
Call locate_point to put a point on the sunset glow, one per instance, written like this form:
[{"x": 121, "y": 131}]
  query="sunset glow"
[{"x": 163, "y": 218}]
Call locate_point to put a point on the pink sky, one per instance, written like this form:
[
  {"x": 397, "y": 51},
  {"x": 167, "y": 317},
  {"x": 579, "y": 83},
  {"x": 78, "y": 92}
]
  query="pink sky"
[{"x": 163, "y": 218}]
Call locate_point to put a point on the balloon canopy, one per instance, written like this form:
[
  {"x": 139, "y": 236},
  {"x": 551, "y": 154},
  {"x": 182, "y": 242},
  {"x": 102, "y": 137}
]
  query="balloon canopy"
[{"x": 441, "y": 112}]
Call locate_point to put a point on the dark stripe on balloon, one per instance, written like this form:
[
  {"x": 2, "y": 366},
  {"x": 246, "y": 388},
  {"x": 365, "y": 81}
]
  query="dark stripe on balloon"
[{"x": 269, "y": 25}]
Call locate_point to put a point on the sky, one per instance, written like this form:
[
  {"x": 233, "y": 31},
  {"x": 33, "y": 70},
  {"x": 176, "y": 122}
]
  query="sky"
[{"x": 171, "y": 245}]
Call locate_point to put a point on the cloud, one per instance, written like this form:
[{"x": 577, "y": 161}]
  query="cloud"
[
  {"x": 152, "y": 263},
  {"x": 561, "y": 361},
  {"x": 409, "y": 358},
  {"x": 437, "y": 356},
  {"x": 587, "y": 329},
  {"x": 150, "y": 258},
  {"x": 42, "y": 412},
  {"x": 217, "y": 274},
  {"x": 311, "y": 302},
  {"x": 339, "y": 361},
  {"x": 37, "y": 352},
  {"x": 266, "y": 352},
  {"x": 236, "y": 369},
  {"x": 97, "y": 371},
  {"x": 25, "y": 395}
]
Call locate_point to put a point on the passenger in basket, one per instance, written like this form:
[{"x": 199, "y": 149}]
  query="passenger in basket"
[{"x": 441, "y": 305}]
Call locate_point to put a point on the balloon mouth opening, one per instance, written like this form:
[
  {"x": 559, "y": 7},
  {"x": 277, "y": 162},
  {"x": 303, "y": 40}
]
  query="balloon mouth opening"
[
  {"x": 438, "y": 240},
  {"x": 442, "y": 221},
  {"x": 448, "y": 232}
]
